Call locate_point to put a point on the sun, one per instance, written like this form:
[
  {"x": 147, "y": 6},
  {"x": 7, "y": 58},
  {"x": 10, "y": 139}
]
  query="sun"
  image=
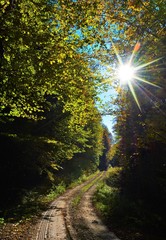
[
  {"x": 126, "y": 73},
  {"x": 129, "y": 73}
]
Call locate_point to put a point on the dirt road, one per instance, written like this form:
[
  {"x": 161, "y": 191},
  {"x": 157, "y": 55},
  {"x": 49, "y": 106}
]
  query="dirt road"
[{"x": 72, "y": 217}]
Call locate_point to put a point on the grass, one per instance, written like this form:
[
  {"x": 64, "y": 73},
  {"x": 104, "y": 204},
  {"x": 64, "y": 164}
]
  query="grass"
[
  {"x": 2, "y": 221},
  {"x": 34, "y": 203},
  {"x": 127, "y": 218},
  {"x": 107, "y": 191},
  {"x": 81, "y": 179},
  {"x": 77, "y": 199},
  {"x": 54, "y": 193}
]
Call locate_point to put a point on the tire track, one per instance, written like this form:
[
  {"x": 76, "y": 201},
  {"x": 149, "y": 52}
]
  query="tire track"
[
  {"x": 85, "y": 222},
  {"x": 70, "y": 210},
  {"x": 56, "y": 221}
]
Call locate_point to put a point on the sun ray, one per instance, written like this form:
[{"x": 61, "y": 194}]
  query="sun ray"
[
  {"x": 152, "y": 98},
  {"x": 134, "y": 95},
  {"x": 131, "y": 58},
  {"x": 147, "y": 82},
  {"x": 146, "y": 64},
  {"x": 116, "y": 53},
  {"x": 130, "y": 73},
  {"x": 146, "y": 93}
]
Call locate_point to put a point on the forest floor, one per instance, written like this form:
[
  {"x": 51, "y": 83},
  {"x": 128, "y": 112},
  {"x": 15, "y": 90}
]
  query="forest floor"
[{"x": 69, "y": 217}]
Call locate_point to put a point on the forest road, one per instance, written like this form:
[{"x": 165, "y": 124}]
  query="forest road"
[{"x": 72, "y": 217}]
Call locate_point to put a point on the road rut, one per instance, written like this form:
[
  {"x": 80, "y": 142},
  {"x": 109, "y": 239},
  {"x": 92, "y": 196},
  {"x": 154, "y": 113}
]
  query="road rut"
[{"x": 65, "y": 221}]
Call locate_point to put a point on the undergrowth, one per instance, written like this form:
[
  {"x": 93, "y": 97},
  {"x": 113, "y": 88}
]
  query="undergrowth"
[
  {"x": 36, "y": 201},
  {"x": 107, "y": 192},
  {"x": 129, "y": 219},
  {"x": 77, "y": 199}
]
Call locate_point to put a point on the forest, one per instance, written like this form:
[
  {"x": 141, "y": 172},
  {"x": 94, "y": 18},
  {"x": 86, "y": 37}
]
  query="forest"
[{"x": 56, "y": 58}]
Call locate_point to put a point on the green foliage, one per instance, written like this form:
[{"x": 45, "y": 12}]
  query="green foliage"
[
  {"x": 49, "y": 78},
  {"x": 127, "y": 218},
  {"x": 2, "y": 221},
  {"x": 107, "y": 192},
  {"x": 81, "y": 179},
  {"x": 77, "y": 198},
  {"x": 104, "y": 161},
  {"x": 113, "y": 177},
  {"x": 102, "y": 199},
  {"x": 54, "y": 192},
  {"x": 33, "y": 202},
  {"x": 141, "y": 134},
  {"x": 112, "y": 154},
  {"x": 47, "y": 94},
  {"x": 39, "y": 54},
  {"x": 36, "y": 200}
]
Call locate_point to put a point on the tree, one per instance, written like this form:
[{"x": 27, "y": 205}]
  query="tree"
[
  {"x": 39, "y": 43},
  {"x": 47, "y": 89},
  {"x": 142, "y": 144},
  {"x": 104, "y": 161}
]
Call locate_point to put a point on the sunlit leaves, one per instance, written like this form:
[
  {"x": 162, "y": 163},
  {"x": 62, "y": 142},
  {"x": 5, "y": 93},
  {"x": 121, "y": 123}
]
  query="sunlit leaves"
[
  {"x": 39, "y": 43},
  {"x": 45, "y": 54}
]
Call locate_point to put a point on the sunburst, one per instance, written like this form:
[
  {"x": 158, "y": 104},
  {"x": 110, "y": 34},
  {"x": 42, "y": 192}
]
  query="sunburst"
[{"x": 127, "y": 73}]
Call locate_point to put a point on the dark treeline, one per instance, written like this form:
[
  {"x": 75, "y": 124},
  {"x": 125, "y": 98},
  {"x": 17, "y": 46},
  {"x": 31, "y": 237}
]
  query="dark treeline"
[
  {"x": 41, "y": 154},
  {"x": 140, "y": 125},
  {"x": 50, "y": 128},
  {"x": 51, "y": 54}
]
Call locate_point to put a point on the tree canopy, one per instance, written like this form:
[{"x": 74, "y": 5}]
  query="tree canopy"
[{"x": 55, "y": 56}]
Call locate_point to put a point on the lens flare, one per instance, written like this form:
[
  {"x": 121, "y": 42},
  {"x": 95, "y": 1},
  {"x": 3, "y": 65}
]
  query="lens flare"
[{"x": 127, "y": 73}]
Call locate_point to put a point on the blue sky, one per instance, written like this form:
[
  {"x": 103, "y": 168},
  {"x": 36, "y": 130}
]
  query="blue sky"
[
  {"x": 109, "y": 122},
  {"x": 110, "y": 93},
  {"x": 107, "y": 97}
]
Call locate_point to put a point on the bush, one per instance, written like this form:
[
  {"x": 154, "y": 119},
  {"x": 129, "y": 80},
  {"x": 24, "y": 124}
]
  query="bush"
[
  {"x": 129, "y": 219},
  {"x": 103, "y": 199},
  {"x": 113, "y": 177}
]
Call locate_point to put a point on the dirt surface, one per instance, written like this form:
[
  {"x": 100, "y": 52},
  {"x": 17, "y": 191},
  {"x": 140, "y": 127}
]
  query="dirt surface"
[
  {"x": 86, "y": 224},
  {"x": 70, "y": 217}
]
